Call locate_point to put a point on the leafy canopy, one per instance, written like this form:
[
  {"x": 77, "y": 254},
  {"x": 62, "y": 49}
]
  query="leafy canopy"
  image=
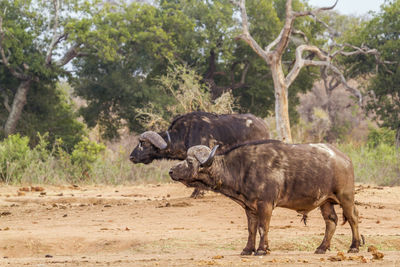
[{"x": 382, "y": 33}]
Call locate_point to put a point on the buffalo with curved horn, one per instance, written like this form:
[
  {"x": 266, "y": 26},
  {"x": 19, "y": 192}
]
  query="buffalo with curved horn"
[
  {"x": 198, "y": 128},
  {"x": 263, "y": 175}
]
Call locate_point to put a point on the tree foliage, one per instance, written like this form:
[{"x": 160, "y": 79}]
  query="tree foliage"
[
  {"x": 381, "y": 32},
  {"x": 115, "y": 89},
  {"x": 37, "y": 40},
  {"x": 200, "y": 34},
  {"x": 50, "y": 109}
]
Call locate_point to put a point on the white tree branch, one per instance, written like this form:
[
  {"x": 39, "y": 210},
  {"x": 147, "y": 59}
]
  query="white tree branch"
[
  {"x": 286, "y": 30},
  {"x": 302, "y": 34},
  {"x": 300, "y": 62},
  {"x": 315, "y": 11},
  {"x": 56, "y": 38},
  {"x": 274, "y": 42},
  {"x": 338, "y": 73},
  {"x": 72, "y": 53},
  {"x": 325, "y": 61},
  {"x": 364, "y": 50},
  {"x": 245, "y": 36},
  {"x": 330, "y": 82}
]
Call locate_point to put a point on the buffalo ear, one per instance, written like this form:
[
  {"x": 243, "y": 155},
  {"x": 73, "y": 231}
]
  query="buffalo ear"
[
  {"x": 155, "y": 139},
  {"x": 210, "y": 159}
]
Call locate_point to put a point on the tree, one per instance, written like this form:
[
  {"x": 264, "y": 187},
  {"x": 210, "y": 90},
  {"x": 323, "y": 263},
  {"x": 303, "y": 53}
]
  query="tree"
[
  {"x": 257, "y": 94},
  {"x": 199, "y": 34},
  {"x": 382, "y": 32},
  {"x": 229, "y": 65},
  {"x": 115, "y": 89},
  {"x": 188, "y": 32},
  {"x": 39, "y": 38},
  {"x": 49, "y": 109},
  {"x": 196, "y": 33},
  {"x": 304, "y": 56}
]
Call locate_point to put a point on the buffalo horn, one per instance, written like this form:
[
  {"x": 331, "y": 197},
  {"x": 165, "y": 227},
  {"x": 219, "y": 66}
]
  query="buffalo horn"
[
  {"x": 155, "y": 139},
  {"x": 200, "y": 152},
  {"x": 209, "y": 160},
  {"x": 168, "y": 138}
]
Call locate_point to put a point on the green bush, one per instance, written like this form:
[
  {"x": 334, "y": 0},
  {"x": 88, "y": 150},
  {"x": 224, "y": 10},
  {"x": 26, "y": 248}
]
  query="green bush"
[
  {"x": 19, "y": 163},
  {"x": 14, "y": 157},
  {"x": 85, "y": 153},
  {"x": 379, "y": 165},
  {"x": 382, "y": 135},
  {"x": 89, "y": 162}
]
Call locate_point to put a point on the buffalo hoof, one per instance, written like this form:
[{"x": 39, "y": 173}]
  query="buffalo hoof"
[
  {"x": 261, "y": 252},
  {"x": 246, "y": 252},
  {"x": 353, "y": 250},
  {"x": 320, "y": 251}
]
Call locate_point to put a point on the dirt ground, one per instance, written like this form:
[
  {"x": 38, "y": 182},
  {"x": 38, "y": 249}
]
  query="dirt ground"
[{"x": 159, "y": 225}]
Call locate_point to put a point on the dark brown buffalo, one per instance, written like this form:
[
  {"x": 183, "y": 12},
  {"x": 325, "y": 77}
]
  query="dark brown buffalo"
[
  {"x": 263, "y": 175},
  {"x": 198, "y": 128}
]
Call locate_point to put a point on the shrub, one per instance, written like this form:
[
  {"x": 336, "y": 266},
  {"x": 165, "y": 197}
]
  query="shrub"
[
  {"x": 19, "y": 163},
  {"x": 378, "y": 165},
  {"x": 14, "y": 157},
  {"x": 85, "y": 153},
  {"x": 188, "y": 93},
  {"x": 382, "y": 135}
]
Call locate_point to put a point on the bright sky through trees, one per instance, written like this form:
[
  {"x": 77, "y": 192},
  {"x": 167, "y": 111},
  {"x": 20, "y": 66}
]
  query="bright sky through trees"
[{"x": 350, "y": 7}]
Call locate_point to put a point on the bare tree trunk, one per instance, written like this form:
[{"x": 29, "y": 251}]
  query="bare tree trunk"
[
  {"x": 281, "y": 100},
  {"x": 398, "y": 137},
  {"x": 17, "y": 107},
  {"x": 282, "y": 115}
]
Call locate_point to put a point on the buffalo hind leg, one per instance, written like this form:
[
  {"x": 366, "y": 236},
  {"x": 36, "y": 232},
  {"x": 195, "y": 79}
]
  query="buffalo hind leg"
[
  {"x": 331, "y": 219},
  {"x": 264, "y": 218},
  {"x": 351, "y": 215},
  {"x": 252, "y": 222}
]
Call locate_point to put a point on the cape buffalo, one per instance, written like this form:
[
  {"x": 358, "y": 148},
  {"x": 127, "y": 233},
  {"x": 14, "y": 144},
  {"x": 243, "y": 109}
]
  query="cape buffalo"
[
  {"x": 267, "y": 174},
  {"x": 198, "y": 128}
]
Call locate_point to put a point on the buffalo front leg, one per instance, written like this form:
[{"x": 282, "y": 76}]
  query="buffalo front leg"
[
  {"x": 264, "y": 218},
  {"x": 252, "y": 222},
  {"x": 331, "y": 219},
  {"x": 197, "y": 193}
]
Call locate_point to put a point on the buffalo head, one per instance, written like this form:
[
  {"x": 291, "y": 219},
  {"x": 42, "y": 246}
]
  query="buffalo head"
[
  {"x": 150, "y": 146},
  {"x": 189, "y": 170}
]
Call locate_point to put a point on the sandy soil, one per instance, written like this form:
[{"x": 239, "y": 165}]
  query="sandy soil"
[{"x": 158, "y": 225}]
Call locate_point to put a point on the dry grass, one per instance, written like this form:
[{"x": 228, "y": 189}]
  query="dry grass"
[{"x": 189, "y": 94}]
